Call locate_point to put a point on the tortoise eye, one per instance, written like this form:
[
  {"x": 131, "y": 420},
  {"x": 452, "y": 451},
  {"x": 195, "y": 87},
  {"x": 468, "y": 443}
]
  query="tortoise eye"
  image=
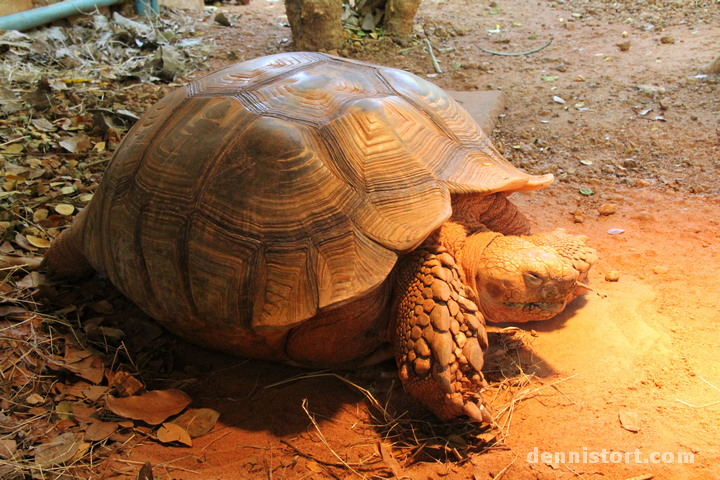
[{"x": 533, "y": 279}]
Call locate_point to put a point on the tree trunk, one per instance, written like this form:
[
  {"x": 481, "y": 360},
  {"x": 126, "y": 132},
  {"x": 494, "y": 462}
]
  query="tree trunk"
[
  {"x": 315, "y": 24},
  {"x": 712, "y": 67},
  {"x": 399, "y": 16}
]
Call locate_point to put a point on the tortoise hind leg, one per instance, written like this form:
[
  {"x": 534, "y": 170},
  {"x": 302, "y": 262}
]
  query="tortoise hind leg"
[
  {"x": 439, "y": 336},
  {"x": 66, "y": 259}
]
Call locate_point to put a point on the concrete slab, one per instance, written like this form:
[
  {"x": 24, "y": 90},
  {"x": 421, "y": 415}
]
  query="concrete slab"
[{"x": 483, "y": 106}]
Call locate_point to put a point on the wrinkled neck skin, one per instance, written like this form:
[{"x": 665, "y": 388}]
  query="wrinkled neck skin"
[
  {"x": 471, "y": 260},
  {"x": 512, "y": 280}
]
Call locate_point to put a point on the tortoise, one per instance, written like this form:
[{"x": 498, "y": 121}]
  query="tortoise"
[{"x": 321, "y": 211}]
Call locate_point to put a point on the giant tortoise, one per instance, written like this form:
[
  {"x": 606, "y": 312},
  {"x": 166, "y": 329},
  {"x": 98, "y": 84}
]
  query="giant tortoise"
[{"x": 321, "y": 211}]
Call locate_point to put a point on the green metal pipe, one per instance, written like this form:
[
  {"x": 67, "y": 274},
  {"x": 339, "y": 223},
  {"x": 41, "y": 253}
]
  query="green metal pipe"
[{"x": 57, "y": 11}]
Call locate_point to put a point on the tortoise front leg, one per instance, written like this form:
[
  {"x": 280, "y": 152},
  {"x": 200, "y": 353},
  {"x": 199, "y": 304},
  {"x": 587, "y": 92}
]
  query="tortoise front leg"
[{"x": 439, "y": 336}]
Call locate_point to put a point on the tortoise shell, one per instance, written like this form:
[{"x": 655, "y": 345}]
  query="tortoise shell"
[{"x": 273, "y": 190}]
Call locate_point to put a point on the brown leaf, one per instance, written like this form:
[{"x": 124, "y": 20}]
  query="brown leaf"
[
  {"x": 171, "y": 432},
  {"x": 89, "y": 369},
  {"x": 126, "y": 384},
  {"x": 197, "y": 421},
  {"x": 59, "y": 450},
  {"x": 145, "y": 472},
  {"x": 153, "y": 407},
  {"x": 23, "y": 242},
  {"x": 7, "y": 449},
  {"x": 6, "y": 310},
  {"x": 64, "y": 209},
  {"x": 38, "y": 242},
  {"x": 97, "y": 431},
  {"x": 390, "y": 460},
  {"x": 76, "y": 144},
  {"x": 43, "y": 124}
]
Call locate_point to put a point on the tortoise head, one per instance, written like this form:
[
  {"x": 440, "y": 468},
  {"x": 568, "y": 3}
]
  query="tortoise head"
[{"x": 514, "y": 280}]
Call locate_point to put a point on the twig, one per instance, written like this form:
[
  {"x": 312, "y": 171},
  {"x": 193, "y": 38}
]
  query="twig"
[
  {"x": 30, "y": 263},
  {"x": 432, "y": 56},
  {"x": 410, "y": 48},
  {"x": 518, "y": 53},
  {"x": 322, "y": 438},
  {"x": 309, "y": 456},
  {"x": 20, "y": 139},
  {"x": 97, "y": 162},
  {"x": 705, "y": 405},
  {"x": 501, "y": 472}
]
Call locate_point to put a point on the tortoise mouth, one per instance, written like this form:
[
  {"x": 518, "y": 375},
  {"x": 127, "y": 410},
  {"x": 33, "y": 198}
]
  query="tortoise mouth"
[{"x": 536, "y": 310}]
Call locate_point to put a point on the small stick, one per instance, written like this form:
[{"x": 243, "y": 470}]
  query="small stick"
[
  {"x": 324, "y": 440},
  {"x": 410, "y": 48},
  {"x": 30, "y": 263},
  {"x": 432, "y": 56},
  {"x": 518, "y": 53},
  {"x": 501, "y": 472}
]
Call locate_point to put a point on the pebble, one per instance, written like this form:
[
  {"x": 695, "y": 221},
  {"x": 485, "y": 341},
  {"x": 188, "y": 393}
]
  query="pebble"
[
  {"x": 630, "y": 163},
  {"x": 640, "y": 183},
  {"x": 616, "y": 231},
  {"x": 659, "y": 270},
  {"x": 667, "y": 39},
  {"x": 624, "y": 46},
  {"x": 557, "y": 99},
  {"x": 607, "y": 209},
  {"x": 612, "y": 276},
  {"x": 643, "y": 217}
]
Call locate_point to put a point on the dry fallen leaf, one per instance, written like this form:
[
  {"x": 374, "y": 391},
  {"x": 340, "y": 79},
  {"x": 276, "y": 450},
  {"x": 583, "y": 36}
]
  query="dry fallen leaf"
[
  {"x": 64, "y": 209},
  {"x": 97, "y": 431},
  {"x": 197, "y": 421},
  {"x": 38, "y": 242},
  {"x": 76, "y": 144},
  {"x": 171, "y": 432},
  {"x": 23, "y": 242},
  {"x": 153, "y": 407},
  {"x": 59, "y": 450},
  {"x": 7, "y": 449}
]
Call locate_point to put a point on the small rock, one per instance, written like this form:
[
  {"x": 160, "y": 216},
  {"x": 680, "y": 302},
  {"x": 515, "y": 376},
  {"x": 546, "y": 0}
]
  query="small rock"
[
  {"x": 660, "y": 270},
  {"x": 561, "y": 68},
  {"x": 643, "y": 217},
  {"x": 664, "y": 104},
  {"x": 612, "y": 276},
  {"x": 630, "y": 421},
  {"x": 624, "y": 46},
  {"x": 630, "y": 163},
  {"x": 607, "y": 209},
  {"x": 557, "y": 99},
  {"x": 693, "y": 118},
  {"x": 640, "y": 183},
  {"x": 458, "y": 75},
  {"x": 615, "y": 231},
  {"x": 650, "y": 90},
  {"x": 472, "y": 66},
  {"x": 223, "y": 20},
  {"x": 667, "y": 39}
]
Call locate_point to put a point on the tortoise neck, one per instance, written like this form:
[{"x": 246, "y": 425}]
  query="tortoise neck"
[{"x": 473, "y": 250}]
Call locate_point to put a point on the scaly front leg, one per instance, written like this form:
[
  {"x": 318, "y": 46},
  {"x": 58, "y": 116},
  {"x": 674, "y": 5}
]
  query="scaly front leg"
[{"x": 439, "y": 336}]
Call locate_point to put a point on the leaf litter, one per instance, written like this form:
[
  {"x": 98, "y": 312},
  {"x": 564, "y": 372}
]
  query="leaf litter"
[{"x": 68, "y": 94}]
